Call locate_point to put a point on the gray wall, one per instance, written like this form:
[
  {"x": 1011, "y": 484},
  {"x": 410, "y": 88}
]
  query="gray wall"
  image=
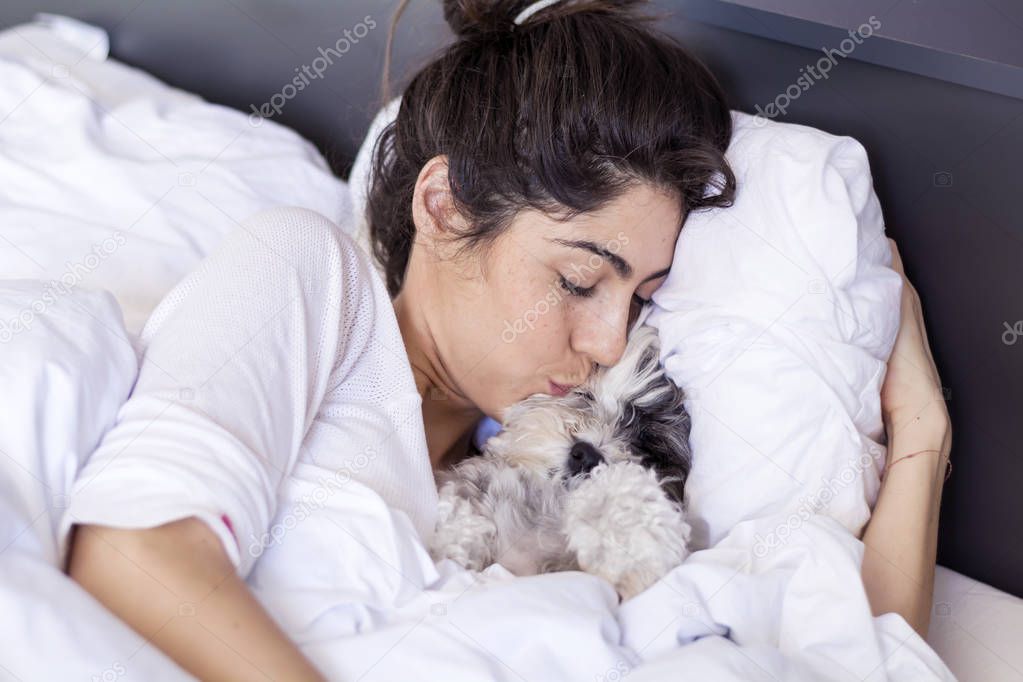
[{"x": 241, "y": 52}]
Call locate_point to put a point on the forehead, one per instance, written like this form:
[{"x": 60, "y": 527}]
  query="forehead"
[
  {"x": 642, "y": 223},
  {"x": 638, "y": 205}
]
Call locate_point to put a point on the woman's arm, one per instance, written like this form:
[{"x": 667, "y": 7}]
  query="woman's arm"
[
  {"x": 902, "y": 536},
  {"x": 238, "y": 358},
  {"x": 176, "y": 586}
]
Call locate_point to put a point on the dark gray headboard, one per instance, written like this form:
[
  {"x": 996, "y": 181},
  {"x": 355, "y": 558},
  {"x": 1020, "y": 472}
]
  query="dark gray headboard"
[{"x": 937, "y": 100}]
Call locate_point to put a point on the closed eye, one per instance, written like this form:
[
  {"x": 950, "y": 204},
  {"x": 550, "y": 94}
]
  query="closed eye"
[{"x": 584, "y": 292}]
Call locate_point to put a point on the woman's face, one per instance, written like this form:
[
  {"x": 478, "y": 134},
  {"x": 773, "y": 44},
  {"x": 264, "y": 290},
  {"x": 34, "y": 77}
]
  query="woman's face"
[{"x": 550, "y": 298}]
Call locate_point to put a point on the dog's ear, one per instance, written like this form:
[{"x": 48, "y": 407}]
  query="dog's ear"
[
  {"x": 661, "y": 422},
  {"x": 661, "y": 433}
]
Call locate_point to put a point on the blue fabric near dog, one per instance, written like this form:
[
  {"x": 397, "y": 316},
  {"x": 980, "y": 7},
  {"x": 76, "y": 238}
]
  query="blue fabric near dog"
[{"x": 486, "y": 428}]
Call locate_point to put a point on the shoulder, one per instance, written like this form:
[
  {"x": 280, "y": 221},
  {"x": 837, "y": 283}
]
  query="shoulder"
[
  {"x": 328, "y": 262},
  {"x": 325, "y": 255},
  {"x": 302, "y": 237},
  {"x": 282, "y": 264}
]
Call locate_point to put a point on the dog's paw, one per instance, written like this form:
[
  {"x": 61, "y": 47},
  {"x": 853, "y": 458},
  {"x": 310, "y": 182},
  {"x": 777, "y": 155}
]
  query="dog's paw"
[
  {"x": 623, "y": 528},
  {"x": 462, "y": 534}
]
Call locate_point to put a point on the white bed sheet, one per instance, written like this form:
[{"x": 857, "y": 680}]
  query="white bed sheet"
[
  {"x": 351, "y": 583},
  {"x": 976, "y": 629},
  {"x": 114, "y": 180}
]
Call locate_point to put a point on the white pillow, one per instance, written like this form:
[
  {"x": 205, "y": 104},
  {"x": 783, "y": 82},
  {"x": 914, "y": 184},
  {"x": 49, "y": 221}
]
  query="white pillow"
[
  {"x": 777, "y": 319},
  {"x": 359, "y": 176},
  {"x": 114, "y": 180}
]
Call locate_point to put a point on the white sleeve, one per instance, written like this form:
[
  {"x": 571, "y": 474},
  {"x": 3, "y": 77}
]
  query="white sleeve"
[{"x": 236, "y": 361}]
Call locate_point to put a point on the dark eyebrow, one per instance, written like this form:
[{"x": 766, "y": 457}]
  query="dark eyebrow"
[
  {"x": 659, "y": 273},
  {"x": 621, "y": 266}
]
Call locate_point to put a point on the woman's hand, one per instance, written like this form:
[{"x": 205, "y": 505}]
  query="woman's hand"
[{"x": 901, "y": 539}]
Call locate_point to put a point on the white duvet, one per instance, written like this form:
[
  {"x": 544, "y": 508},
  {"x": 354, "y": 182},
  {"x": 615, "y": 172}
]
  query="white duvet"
[{"x": 356, "y": 589}]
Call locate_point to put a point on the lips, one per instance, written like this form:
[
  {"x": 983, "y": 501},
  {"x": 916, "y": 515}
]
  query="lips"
[{"x": 558, "y": 390}]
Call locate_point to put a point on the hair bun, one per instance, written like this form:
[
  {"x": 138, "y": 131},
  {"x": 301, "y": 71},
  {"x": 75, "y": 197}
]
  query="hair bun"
[
  {"x": 474, "y": 17},
  {"x": 479, "y": 17}
]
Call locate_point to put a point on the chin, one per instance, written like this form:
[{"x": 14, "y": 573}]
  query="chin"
[{"x": 592, "y": 480}]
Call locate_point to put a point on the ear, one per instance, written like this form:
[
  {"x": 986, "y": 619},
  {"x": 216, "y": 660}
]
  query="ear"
[{"x": 433, "y": 206}]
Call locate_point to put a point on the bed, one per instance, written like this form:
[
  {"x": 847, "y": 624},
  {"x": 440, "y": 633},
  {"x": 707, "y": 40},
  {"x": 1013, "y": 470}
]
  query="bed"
[{"x": 971, "y": 301}]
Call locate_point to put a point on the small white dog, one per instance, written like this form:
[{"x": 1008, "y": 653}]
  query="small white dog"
[{"x": 592, "y": 480}]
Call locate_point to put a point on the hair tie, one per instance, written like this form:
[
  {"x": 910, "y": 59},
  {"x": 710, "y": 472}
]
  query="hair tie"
[{"x": 532, "y": 9}]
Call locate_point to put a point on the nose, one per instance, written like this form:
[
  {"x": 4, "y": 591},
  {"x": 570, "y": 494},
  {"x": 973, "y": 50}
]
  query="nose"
[
  {"x": 582, "y": 458},
  {"x": 602, "y": 337}
]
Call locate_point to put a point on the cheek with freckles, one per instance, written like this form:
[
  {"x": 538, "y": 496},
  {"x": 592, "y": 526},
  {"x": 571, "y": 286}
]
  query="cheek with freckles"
[
  {"x": 498, "y": 338},
  {"x": 529, "y": 342}
]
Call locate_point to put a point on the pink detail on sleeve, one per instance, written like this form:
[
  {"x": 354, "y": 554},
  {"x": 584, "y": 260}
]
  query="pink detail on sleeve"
[{"x": 227, "y": 522}]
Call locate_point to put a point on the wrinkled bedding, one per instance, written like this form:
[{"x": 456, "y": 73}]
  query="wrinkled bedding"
[
  {"x": 348, "y": 579},
  {"x": 351, "y": 582}
]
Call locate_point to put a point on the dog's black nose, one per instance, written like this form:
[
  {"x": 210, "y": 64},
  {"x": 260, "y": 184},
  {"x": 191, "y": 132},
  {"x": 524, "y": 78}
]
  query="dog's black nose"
[{"x": 582, "y": 458}]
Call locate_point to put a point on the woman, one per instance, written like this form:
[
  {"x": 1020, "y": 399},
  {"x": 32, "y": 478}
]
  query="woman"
[{"x": 519, "y": 154}]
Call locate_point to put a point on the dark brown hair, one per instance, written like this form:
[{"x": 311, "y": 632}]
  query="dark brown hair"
[{"x": 561, "y": 114}]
